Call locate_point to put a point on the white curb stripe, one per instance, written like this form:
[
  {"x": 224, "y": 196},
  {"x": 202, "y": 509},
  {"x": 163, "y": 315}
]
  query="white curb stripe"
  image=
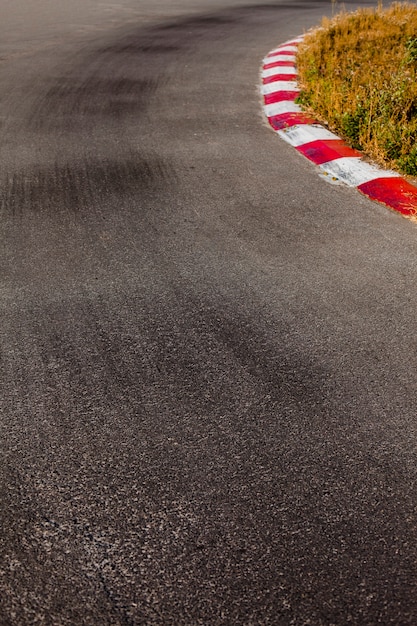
[
  {"x": 279, "y": 85},
  {"x": 280, "y": 57},
  {"x": 306, "y": 133},
  {"x": 285, "y": 48},
  {"x": 278, "y": 70},
  {"x": 353, "y": 171},
  {"x": 286, "y": 106}
]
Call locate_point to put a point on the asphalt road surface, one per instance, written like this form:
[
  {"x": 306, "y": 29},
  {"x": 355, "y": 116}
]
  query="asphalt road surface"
[{"x": 208, "y": 354}]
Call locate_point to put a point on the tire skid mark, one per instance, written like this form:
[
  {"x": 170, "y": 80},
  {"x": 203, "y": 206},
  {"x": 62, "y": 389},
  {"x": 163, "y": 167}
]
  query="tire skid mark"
[
  {"x": 92, "y": 98},
  {"x": 100, "y": 96},
  {"x": 130, "y": 47},
  {"x": 198, "y": 22},
  {"x": 77, "y": 187},
  {"x": 119, "y": 79},
  {"x": 111, "y": 85}
]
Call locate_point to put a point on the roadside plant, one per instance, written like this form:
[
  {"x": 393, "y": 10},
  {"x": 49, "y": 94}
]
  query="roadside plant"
[{"x": 358, "y": 73}]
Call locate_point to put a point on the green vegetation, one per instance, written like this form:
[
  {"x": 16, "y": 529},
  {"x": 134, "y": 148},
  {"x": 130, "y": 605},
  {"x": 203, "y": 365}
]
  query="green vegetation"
[{"x": 358, "y": 72}]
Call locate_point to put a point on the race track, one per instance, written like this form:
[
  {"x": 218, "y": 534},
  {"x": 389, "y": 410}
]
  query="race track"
[{"x": 208, "y": 360}]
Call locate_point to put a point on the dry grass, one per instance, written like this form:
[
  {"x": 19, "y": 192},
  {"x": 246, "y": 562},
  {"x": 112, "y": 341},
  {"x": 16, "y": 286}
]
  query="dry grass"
[{"x": 358, "y": 72}]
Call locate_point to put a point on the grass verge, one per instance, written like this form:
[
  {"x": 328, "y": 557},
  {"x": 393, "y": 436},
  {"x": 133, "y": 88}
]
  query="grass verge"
[{"x": 358, "y": 72}]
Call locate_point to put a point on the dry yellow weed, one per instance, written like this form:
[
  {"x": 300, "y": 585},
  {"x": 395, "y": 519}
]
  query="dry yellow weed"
[{"x": 358, "y": 71}]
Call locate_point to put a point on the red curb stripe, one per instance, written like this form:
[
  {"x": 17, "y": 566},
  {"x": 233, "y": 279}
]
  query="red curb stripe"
[
  {"x": 324, "y": 150},
  {"x": 285, "y": 120},
  {"x": 269, "y": 66},
  {"x": 280, "y": 96},
  {"x": 396, "y": 193},
  {"x": 275, "y": 77}
]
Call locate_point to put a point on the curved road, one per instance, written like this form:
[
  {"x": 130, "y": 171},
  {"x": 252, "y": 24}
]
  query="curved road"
[{"x": 208, "y": 354}]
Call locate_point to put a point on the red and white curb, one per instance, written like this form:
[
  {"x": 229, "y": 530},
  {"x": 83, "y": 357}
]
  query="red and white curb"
[{"x": 337, "y": 161}]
